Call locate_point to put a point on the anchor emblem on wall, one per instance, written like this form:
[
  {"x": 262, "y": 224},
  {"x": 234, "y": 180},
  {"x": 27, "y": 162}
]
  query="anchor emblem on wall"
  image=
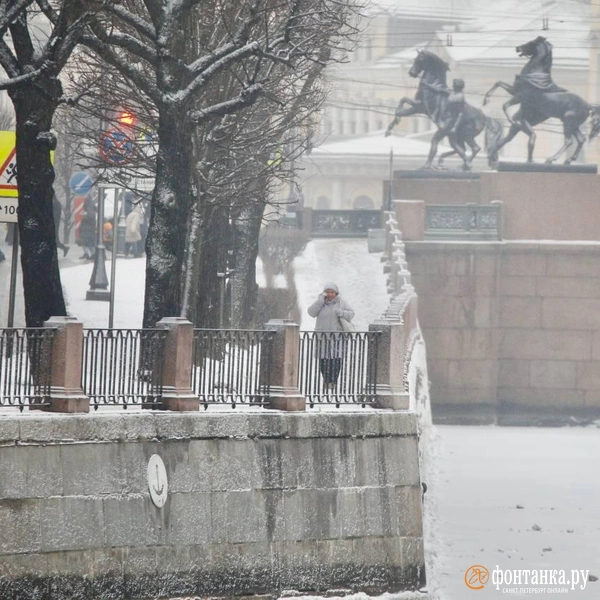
[{"x": 157, "y": 481}]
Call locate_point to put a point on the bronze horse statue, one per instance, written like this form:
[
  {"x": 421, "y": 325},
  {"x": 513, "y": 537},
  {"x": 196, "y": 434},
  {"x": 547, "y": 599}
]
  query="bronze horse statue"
[
  {"x": 541, "y": 99},
  {"x": 432, "y": 99}
]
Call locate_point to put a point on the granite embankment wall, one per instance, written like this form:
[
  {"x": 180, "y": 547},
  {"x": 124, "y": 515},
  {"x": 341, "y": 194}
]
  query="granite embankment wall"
[
  {"x": 256, "y": 503},
  {"x": 510, "y": 324},
  {"x": 536, "y": 206}
]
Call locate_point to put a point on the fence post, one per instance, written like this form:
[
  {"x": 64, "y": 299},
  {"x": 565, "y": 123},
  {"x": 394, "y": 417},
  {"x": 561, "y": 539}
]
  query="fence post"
[
  {"x": 177, "y": 393},
  {"x": 66, "y": 394},
  {"x": 390, "y": 367},
  {"x": 285, "y": 394}
]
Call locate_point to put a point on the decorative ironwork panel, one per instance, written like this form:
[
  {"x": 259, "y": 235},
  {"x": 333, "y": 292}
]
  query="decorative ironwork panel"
[
  {"x": 465, "y": 221},
  {"x": 25, "y": 367},
  {"x": 488, "y": 219},
  {"x": 338, "y": 368},
  {"x": 232, "y": 366},
  {"x": 443, "y": 217},
  {"x": 123, "y": 367},
  {"x": 344, "y": 223}
]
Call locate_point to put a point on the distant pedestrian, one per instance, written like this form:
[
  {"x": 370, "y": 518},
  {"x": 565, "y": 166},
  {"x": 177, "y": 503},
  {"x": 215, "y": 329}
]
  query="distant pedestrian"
[
  {"x": 87, "y": 230},
  {"x": 133, "y": 231},
  {"x": 107, "y": 234},
  {"x": 329, "y": 309},
  {"x": 57, "y": 213}
]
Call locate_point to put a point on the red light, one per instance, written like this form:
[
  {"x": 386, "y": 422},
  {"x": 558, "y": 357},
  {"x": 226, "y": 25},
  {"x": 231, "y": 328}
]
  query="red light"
[{"x": 126, "y": 118}]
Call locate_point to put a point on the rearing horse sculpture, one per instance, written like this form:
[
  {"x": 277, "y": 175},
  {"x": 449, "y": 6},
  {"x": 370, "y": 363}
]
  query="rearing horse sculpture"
[
  {"x": 430, "y": 102},
  {"x": 541, "y": 99}
]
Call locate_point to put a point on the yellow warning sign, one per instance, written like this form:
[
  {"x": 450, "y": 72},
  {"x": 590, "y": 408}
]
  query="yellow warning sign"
[{"x": 8, "y": 165}]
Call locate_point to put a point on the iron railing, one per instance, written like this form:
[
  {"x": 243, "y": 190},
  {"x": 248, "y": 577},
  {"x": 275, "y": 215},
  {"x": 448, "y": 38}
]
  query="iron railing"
[
  {"x": 344, "y": 223},
  {"x": 464, "y": 221},
  {"x": 25, "y": 367},
  {"x": 123, "y": 367},
  {"x": 339, "y": 367},
  {"x": 232, "y": 366}
]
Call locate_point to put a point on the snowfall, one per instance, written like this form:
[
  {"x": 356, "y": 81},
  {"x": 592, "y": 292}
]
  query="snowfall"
[{"x": 513, "y": 498}]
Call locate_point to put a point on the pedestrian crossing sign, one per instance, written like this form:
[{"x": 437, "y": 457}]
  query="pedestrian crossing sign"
[{"x": 8, "y": 165}]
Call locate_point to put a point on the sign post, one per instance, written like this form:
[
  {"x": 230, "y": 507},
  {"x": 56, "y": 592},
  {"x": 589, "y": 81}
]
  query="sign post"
[
  {"x": 9, "y": 214},
  {"x": 14, "y": 260}
]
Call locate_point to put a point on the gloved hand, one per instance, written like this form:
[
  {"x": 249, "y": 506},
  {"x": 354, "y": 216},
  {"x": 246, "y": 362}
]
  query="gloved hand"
[{"x": 339, "y": 312}]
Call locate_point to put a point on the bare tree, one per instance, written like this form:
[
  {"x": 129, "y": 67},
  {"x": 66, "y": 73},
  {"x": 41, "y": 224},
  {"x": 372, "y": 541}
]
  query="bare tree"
[
  {"x": 175, "y": 54},
  {"x": 36, "y": 40}
]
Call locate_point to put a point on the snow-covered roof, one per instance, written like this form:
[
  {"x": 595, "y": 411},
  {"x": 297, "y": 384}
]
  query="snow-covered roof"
[
  {"x": 425, "y": 10},
  {"x": 491, "y": 38},
  {"x": 376, "y": 145}
]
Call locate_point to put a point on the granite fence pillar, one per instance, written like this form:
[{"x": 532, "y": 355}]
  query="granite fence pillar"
[
  {"x": 66, "y": 393},
  {"x": 390, "y": 365},
  {"x": 177, "y": 393},
  {"x": 283, "y": 376}
]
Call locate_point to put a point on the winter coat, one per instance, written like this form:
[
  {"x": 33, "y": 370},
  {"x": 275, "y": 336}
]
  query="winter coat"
[
  {"x": 324, "y": 311},
  {"x": 87, "y": 228},
  {"x": 133, "y": 225},
  {"x": 330, "y": 345}
]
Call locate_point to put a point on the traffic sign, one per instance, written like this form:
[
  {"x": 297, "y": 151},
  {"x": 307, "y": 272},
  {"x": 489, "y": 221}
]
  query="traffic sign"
[
  {"x": 116, "y": 147},
  {"x": 81, "y": 183},
  {"x": 8, "y": 210},
  {"x": 143, "y": 184},
  {"x": 8, "y": 164}
]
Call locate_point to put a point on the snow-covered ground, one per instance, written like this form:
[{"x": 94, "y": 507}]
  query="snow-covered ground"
[
  {"x": 477, "y": 476},
  {"x": 347, "y": 263},
  {"x": 516, "y": 498}
]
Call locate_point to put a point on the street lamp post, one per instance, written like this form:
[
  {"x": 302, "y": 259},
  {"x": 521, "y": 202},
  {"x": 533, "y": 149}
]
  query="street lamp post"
[{"x": 99, "y": 280}]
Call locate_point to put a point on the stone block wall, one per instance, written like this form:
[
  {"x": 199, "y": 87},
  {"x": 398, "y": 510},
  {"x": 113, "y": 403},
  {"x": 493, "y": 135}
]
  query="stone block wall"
[
  {"x": 536, "y": 206},
  {"x": 257, "y": 503},
  {"x": 512, "y": 323}
]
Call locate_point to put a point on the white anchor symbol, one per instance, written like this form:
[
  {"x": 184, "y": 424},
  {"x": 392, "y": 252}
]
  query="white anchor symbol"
[{"x": 158, "y": 490}]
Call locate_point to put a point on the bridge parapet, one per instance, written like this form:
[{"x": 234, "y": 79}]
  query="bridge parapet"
[{"x": 401, "y": 381}]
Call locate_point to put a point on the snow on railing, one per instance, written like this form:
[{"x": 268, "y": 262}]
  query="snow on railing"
[
  {"x": 25, "y": 367},
  {"x": 232, "y": 366},
  {"x": 339, "y": 367},
  {"x": 123, "y": 367},
  {"x": 403, "y": 309}
]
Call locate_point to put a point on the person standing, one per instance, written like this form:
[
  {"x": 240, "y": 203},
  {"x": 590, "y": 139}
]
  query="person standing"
[
  {"x": 57, "y": 214},
  {"x": 328, "y": 309},
  {"x": 133, "y": 230},
  {"x": 87, "y": 230}
]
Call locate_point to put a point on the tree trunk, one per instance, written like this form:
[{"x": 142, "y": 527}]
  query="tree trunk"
[
  {"x": 244, "y": 287},
  {"x": 170, "y": 214},
  {"x": 214, "y": 243},
  {"x": 34, "y": 109}
]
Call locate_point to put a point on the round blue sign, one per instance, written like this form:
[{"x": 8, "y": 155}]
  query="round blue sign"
[{"x": 81, "y": 183}]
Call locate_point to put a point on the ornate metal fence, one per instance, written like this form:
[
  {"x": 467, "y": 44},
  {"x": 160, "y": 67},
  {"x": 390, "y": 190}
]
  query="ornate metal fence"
[
  {"x": 232, "y": 366},
  {"x": 344, "y": 223},
  {"x": 25, "y": 367},
  {"x": 338, "y": 367},
  {"x": 123, "y": 366},
  {"x": 464, "y": 221}
]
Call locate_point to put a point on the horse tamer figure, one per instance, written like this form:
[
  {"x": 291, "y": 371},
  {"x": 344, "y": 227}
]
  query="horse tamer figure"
[
  {"x": 455, "y": 119},
  {"x": 539, "y": 99}
]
